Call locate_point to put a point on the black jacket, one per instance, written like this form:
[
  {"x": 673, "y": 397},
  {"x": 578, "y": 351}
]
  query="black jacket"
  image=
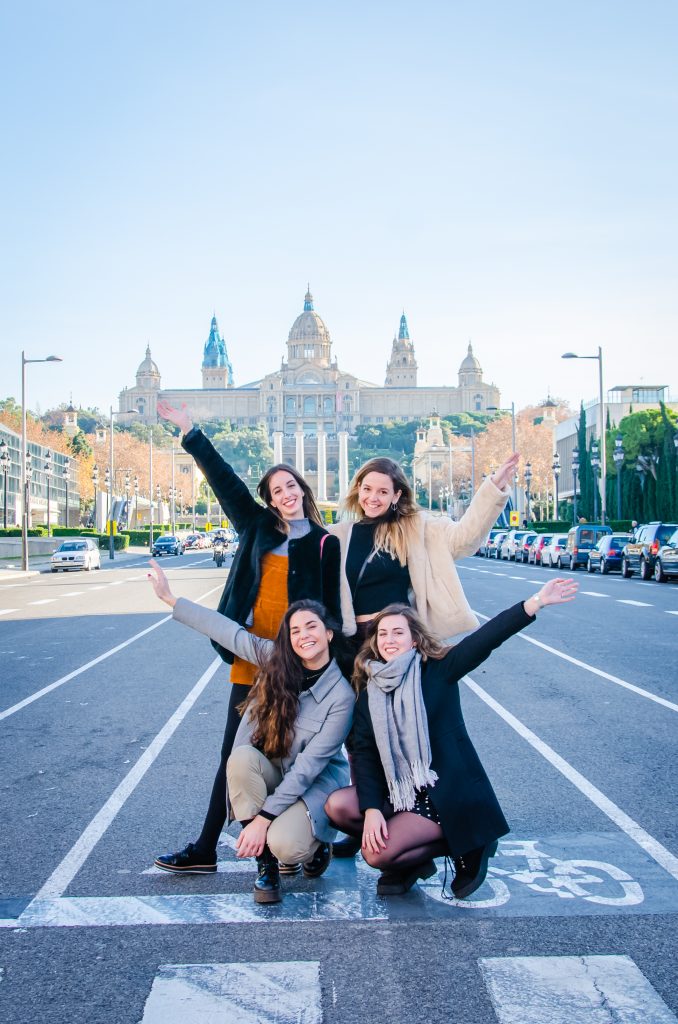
[
  {"x": 309, "y": 575},
  {"x": 468, "y": 809}
]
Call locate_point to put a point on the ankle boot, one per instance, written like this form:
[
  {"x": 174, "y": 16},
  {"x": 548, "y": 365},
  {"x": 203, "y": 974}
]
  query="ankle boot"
[{"x": 267, "y": 885}]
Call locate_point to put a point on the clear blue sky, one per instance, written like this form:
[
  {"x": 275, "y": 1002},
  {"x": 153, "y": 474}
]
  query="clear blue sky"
[{"x": 506, "y": 172}]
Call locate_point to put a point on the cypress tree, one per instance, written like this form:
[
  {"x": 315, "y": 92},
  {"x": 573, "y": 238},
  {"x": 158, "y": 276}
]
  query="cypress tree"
[{"x": 585, "y": 501}]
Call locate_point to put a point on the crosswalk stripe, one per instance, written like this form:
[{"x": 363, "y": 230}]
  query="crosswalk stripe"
[
  {"x": 247, "y": 993},
  {"x": 563, "y": 989}
]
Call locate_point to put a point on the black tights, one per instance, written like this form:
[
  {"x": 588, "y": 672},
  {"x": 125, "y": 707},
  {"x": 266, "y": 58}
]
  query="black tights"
[
  {"x": 412, "y": 839},
  {"x": 216, "y": 812}
]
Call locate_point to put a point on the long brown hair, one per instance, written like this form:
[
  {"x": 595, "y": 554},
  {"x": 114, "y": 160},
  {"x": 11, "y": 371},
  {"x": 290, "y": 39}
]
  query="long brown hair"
[
  {"x": 273, "y": 700},
  {"x": 264, "y": 491},
  {"x": 427, "y": 644},
  {"x": 394, "y": 533}
]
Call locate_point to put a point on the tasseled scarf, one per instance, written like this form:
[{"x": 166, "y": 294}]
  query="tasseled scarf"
[{"x": 401, "y": 727}]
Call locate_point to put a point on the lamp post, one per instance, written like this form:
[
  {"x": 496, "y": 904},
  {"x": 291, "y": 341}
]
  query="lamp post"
[
  {"x": 136, "y": 502},
  {"x": 174, "y": 493},
  {"x": 150, "y": 488},
  {"x": 107, "y": 481},
  {"x": 127, "y": 490},
  {"x": 95, "y": 481},
  {"x": 5, "y": 463},
  {"x": 556, "y": 474},
  {"x": 603, "y": 443},
  {"x": 158, "y": 494},
  {"x": 29, "y": 477},
  {"x": 618, "y": 456},
  {"x": 48, "y": 475},
  {"x": 66, "y": 475},
  {"x": 595, "y": 466},
  {"x": 575, "y": 470},
  {"x": 25, "y": 493},
  {"x": 528, "y": 481}
]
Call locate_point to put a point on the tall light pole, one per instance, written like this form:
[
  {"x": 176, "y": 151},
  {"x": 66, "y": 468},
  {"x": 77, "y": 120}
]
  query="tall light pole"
[
  {"x": 5, "y": 463},
  {"x": 595, "y": 466},
  {"x": 158, "y": 496},
  {"x": 95, "y": 481},
  {"x": 107, "y": 482},
  {"x": 603, "y": 442},
  {"x": 495, "y": 408},
  {"x": 48, "y": 475},
  {"x": 618, "y": 456},
  {"x": 66, "y": 475},
  {"x": 25, "y": 494},
  {"x": 528, "y": 481},
  {"x": 29, "y": 477},
  {"x": 174, "y": 494},
  {"x": 575, "y": 470},
  {"x": 556, "y": 474},
  {"x": 127, "y": 490},
  {"x": 150, "y": 488},
  {"x": 136, "y": 502}
]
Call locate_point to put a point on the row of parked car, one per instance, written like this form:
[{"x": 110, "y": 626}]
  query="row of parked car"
[{"x": 651, "y": 550}]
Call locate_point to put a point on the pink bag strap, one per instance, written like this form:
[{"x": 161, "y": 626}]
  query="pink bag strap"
[{"x": 322, "y": 542}]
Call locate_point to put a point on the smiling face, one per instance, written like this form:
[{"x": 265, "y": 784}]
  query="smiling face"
[
  {"x": 286, "y": 496},
  {"x": 310, "y": 639},
  {"x": 394, "y": 637},
  {"x": 377, "y": 494}
]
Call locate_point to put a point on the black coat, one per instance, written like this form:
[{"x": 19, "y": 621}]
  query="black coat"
[
  {"x": 309, "y": 574},
  {"x": 468, "y": 809}
]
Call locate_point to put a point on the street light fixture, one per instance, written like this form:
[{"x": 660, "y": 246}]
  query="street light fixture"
[
  {"x": 575, "y": 470},
  {"x": 528, "y": 481},
  {"x": 556, "y": 474},
  {"x": 48, "y": 473},
  {"x": 595, "y": 466},
  {"x": 618, "y": 456},
  {"x": 5, "y": 463},
  {"x": 66, "y": 474},
  {"x": 603, "y": 464},
  {"x": 25, "y": 493}
]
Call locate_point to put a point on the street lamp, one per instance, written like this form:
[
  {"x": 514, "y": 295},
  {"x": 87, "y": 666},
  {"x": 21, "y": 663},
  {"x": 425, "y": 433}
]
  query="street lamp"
[
  {"x": 66, "y": 474},
  {"x": 107, "y": 482},
  {"x": 158, "y": 494},
  {"x": 575, "y": 470},
  {"x": 136, "y": 501},
  {"x": 127, "y": 490},
  {"x": 48, "y": 474},
  {"x": 5, "y": 463},
  {"x": 25, "y": 493},
  {"x": 95, "y": 481},
  {"x": 618, "y": 456},
  {"x": 603, "y": 464},
  {"x": 528, "y": 481},
  {"x": 556, "y": 474},
  {"x": 595, "y": 466},
  {"x": 495, "y": 408}
]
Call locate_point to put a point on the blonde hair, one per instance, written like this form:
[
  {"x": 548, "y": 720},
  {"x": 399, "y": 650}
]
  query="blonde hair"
[
  {"x": 393, "y": 535},
  {"x": 427, "y": 644}
]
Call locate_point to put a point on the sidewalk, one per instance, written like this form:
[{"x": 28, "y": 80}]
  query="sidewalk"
[{"x": 10, "y": 568}]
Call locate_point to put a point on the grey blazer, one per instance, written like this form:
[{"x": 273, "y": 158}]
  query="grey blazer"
[{"x": 315, "y": 765}]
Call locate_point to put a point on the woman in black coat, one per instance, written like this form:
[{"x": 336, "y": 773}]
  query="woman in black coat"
[
  {"x": 284, "y": 555},
  {"x": 421, "y": 791}
]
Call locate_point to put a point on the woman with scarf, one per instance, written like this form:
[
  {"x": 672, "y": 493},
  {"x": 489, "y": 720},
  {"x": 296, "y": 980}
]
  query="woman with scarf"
[
  {"x": 286, "y": 757},
  {"x": 421, "y": 791}
]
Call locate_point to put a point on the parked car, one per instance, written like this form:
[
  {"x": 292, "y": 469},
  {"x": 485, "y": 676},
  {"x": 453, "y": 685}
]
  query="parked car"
[
  {"x": 523, "y": 547},
  {"x": 640, "y": 554},
  {"x": 493, "y": 544},
  {"x": 666, "y": 562},
  {"x": 79, "y": 553},
  {"x": 551, "y": 551},
  {"x": 483, "y": 549},
  {"x": 167, "y": 545},
  {"x": 607, "y": 554},
  {"x": 540, "y": 542},
  {"x": 510, "y": 544},
  {"x": 580, "y": 540}
]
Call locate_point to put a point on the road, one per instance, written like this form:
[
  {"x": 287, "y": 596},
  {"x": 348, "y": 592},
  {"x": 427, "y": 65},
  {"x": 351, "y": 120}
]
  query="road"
[{"x": 111, "y": 718}]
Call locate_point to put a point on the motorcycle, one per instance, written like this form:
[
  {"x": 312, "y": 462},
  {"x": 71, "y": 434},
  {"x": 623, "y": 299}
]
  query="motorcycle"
[{"x": 218, "y": 553}]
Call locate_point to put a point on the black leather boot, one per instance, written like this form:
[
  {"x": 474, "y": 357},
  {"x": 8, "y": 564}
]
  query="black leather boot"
[
  {"x": 267, "y": 885},
  {"x": 346, "y": 847}
]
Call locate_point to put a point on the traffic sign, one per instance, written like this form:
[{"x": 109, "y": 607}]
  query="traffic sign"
[{"x": 514, "y": 518}]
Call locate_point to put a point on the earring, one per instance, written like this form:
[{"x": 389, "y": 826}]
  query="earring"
[{"x": 394, "y": 506}]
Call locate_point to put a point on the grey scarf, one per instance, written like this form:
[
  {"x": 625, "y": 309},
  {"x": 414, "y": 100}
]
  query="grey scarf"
[{"x": 401, "y": 727}]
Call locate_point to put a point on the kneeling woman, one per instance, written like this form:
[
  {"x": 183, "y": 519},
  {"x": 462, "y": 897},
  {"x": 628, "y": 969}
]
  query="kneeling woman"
[
  {"x": 421, "y": 791},
  {"x": 286, "y": 757}
]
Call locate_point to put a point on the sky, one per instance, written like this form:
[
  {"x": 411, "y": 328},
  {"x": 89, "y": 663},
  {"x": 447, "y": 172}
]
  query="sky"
[{"x": 504, "y": 172}]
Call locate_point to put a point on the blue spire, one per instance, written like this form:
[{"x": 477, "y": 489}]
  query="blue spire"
[
  {"x": 403, "y": 333},
  {"x": 308, "y": 300},
  {"x": 214, "y": 352}
]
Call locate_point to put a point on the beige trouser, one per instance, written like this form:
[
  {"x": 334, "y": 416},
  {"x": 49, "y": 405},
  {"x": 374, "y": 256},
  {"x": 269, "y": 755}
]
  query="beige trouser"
[{"x": 251, "y": 777}]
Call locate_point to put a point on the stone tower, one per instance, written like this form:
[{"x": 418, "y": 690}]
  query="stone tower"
[
  {"x": 217, "y": 371},
  {"x": 401, "y": 369}
]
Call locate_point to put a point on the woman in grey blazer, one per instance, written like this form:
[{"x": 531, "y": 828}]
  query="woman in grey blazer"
[{"x": 287, "y": 756}]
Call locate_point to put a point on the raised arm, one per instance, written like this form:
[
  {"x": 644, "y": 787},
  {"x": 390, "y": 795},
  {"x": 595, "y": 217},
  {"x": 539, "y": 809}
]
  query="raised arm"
[{"x": 464, "y": 537}]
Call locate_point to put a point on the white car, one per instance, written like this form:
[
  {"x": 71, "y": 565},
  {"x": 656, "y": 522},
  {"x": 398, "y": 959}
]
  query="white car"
[{"x": 78, "y": 553}]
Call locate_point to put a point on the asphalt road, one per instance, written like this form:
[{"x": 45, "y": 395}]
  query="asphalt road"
[{"x": 111, "y": 719}]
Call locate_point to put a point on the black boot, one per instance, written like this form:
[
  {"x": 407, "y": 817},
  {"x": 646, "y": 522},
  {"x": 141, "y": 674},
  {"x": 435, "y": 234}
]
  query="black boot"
[
  {"x": 395, "y": 883},
  {"x": 346, "y": 847},
  {"x": 267, "y": 885}
]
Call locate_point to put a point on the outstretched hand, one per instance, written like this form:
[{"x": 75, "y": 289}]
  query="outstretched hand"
[
  {"x": 160, "y": 584},
  {"x": 179, "y": 417},
  {"x": 503, "y": 476},
  {"x": 558, "y": 591}
]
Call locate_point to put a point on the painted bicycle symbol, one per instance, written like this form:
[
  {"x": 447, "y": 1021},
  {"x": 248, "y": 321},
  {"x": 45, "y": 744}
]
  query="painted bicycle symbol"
[{"x": 594, "y": 881}]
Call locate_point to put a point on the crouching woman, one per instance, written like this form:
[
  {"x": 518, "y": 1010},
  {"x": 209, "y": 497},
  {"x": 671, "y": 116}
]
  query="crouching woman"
[
  {"x": 421, "y": 790},
  {"x": 286, "y": 757}
]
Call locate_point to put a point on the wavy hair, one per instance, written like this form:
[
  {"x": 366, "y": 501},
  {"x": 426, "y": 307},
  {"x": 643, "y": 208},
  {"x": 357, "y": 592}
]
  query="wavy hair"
[
  {"x": 264, "y": 491},
  {"x": 273, "y": 700},
  {"x": 393, "y": 534},
  {"x": 427, "y": 644}
]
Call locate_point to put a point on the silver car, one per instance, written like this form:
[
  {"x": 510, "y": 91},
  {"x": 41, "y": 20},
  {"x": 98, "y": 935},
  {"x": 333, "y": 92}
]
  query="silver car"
[
  {"x": 78, "y": 553},
  {"x": 550, "y": 551}
]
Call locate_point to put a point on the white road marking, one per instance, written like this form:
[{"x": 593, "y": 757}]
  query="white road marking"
[
  {"x": 596, "y": 671},
  {"x": 8, "y": 611},
  {"x": 90, "y": 664},
  {"x": 638, "y": 604},
  {"x": 98, "y": 587},
  {"x": 518, "y": 578},
  {"x": 593, "y": 593},
  {"x": 73, "y": 593},
  {"x": 66, "y": 871},
  {"x": 563, "y": 989},
  {"x": 45, "y": 600},
  {"x": 117, "y": 583},
  {"x": 636, "y": 832},
  {"x": 672, "y": 613},
  {"x": 255, "y": 993}
]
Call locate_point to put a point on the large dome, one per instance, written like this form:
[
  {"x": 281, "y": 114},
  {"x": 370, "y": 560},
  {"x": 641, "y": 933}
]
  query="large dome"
[
  {"x": 470, "y": 362},
  {"x": 308, "y": 326},
  {"x": 148, "y": 366}
]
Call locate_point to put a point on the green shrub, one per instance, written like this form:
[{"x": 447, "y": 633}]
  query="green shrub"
[
  {"x": 120, "y": 541},
  {"x": 15, "y": 531},
  {"x": 72, "y": 531}
]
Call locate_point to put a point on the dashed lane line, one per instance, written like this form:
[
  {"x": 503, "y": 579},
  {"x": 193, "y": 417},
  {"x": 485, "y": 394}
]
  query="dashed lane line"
[
  {"x": 8, "y": 611},
  {"x": 636, "y": 604},
  {"x": 592, "y": 593},
  {"x": 45, "y": 600},
  {"x": 591, "y": 668},
  {"x": 90, "y": 664}
]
